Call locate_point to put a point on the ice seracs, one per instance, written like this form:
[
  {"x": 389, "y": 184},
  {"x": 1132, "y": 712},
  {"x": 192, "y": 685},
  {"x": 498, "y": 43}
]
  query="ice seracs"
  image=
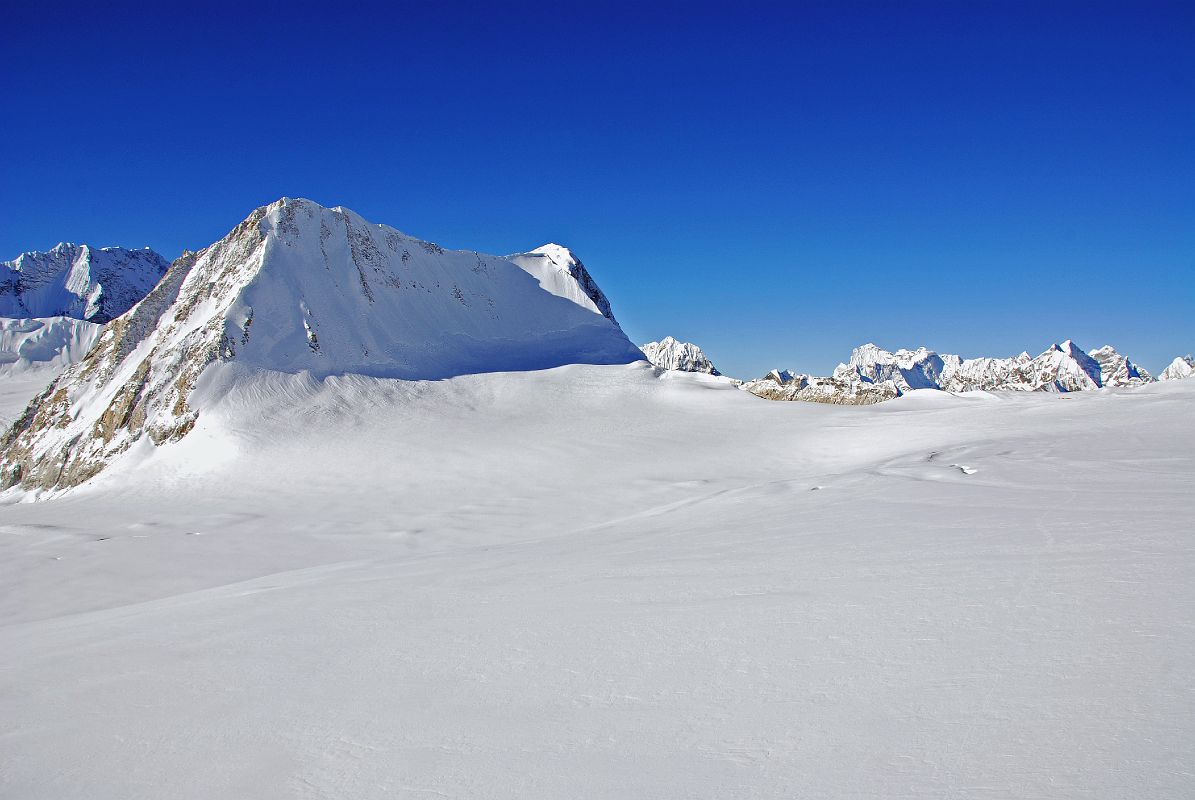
[
  {"x": 1181, "y": 367},
  {"x": 668, "y": 353},
  {"x": 95, "y": 284},
  {"x": 294, "y": 288},
  {"x": 51, "y": 343}
]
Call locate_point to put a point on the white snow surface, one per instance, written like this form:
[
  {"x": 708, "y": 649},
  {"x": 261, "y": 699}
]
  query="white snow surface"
[
  {"x": 668, "y": 353},
  {"x": 78, "y": 281},
  {"x": 610, "y": 582}
]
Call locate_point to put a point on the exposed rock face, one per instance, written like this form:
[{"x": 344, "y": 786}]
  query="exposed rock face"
[
  {"x": 78, "y": 281},
  {"x": 668, "y": 353},
  {"x": 784, "y": 385},
  {"x": 1181, "y": 367},
  {"x": 298, "y": 287}
]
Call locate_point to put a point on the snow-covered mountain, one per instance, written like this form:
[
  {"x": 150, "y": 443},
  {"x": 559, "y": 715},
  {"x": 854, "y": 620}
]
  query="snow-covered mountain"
[
  {"x": 873, "y": 374},
  {"x": 906, "y": 369},
  {"x": 95, "y": 284},
  {"x": 668, "y": 353},
  {"x": 297, "y": 287},
  {"x": 1180, "y": 367},
  {"x": 1116, "y": 370}
]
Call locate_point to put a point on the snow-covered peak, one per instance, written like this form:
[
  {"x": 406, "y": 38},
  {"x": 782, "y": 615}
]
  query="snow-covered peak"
[
  {"x": 669, "y": 353},
  {"x": 907, "y": 369},
  {"x": 295, "y": 288},
  {"x": 558, "y": 253},
  {"x": 1066, "y": 367},
  {"x": 79, "y": 281},
  {"x": 561, "y": 272},
  {"x": 1116, "y": 370},
  {"x": 1181, "y": 367}
]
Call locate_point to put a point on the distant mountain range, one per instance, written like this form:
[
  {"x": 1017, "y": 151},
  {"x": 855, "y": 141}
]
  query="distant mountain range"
[{"x": 873, "y": 375}]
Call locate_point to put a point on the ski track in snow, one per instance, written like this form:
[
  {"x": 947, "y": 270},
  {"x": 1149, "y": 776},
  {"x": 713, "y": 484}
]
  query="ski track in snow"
[{"x": 600, "y": 582}]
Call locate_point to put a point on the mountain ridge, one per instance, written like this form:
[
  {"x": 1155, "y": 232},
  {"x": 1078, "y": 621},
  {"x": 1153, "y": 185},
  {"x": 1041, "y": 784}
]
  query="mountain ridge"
[{"x": 94, "y": 284}]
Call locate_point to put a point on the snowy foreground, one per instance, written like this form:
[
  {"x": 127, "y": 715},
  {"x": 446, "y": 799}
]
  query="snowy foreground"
[{"x": 601, "y": 582}]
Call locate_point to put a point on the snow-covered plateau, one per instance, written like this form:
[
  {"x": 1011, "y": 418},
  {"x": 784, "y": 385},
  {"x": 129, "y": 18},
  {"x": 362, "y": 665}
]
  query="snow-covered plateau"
[
  {"x": 600, "y": 581},
  {"x": 279, "y": 535}
]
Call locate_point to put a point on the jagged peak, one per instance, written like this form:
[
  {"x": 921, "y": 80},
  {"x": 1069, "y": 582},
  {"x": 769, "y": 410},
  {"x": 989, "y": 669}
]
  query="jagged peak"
[{"x": 671, "y": 353}]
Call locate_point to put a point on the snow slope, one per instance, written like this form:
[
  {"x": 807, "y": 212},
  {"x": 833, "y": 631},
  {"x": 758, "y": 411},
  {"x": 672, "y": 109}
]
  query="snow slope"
[
  {"x": 606, "y": 582},
  {"x": 95, "y": 284},
  {"x": 668, "y": 353},
  {"x": 300, "y": 288}
]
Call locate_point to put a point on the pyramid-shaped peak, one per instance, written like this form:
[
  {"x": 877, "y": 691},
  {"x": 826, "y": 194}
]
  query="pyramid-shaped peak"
[{"x": 300, "y": 288}]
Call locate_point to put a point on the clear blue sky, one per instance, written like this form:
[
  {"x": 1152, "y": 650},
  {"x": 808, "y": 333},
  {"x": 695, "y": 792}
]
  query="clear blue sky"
[{"x": 777, "y": 182}]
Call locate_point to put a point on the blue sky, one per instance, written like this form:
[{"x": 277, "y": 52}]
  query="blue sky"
[{"x": 777, "y": 182}]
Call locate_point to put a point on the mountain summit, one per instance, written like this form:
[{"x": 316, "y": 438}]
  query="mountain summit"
[
  {"x": 297, "y": 287},
  {"x": 669, "y": 353}
]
